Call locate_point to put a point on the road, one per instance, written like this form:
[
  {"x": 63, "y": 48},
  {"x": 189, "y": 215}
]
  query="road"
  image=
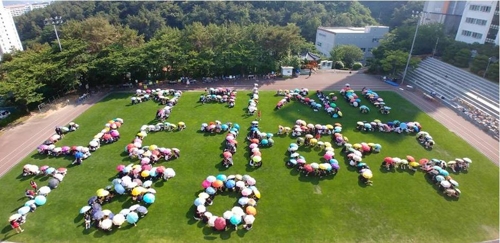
[{"x": 19, "y": 141}]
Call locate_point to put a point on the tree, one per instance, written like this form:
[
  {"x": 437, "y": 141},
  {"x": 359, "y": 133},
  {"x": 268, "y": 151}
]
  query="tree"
[
  {"x": 395, "y": 62},
  {"x": 462, "y": 58},
  {"x": 479, "y": 63},
  {"x": 348, "y": 54},
  {"x": 492, "y": 73}
]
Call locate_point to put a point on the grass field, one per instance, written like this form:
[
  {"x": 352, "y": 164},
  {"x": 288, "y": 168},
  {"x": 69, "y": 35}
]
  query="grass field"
[{"x": 399, "y": 207}]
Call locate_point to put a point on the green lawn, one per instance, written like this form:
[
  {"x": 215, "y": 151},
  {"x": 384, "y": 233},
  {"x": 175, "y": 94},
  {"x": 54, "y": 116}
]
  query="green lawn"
[{"x": 399, "y": 207}]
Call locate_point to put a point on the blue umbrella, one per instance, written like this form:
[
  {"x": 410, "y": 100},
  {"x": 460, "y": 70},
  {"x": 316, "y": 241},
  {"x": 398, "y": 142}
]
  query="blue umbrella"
[
  {"x": 98, "y": 215},
  {"x": 153, "y": 173},
  {"x": 335, "y": 116},
  {"x": 119, "y": 189},
  {"x": 269, "y": 135},
  {"x": 40, "y": 200},
  {"x": 377, "y": 146},
  {"x": 221, "y": 177},
  {"x": 403, "y": 126},
  {"x": 236, "y": 126},
  {"x": 416, "y": 129},
  {"x": 50, "y": 170},
  {"x": 92, "y": 200},
  {"x": 224, "y": 127},
  {"x": 210, "y": 190},
  {"x": 230, "y": 184},
  {"x": 337, "y": 129},
  {"x": 444, "y": 173},
  {"x": 29, "y": 203},
  {"x": 235, "y": 220},
  {"x": 264, "y": 142},
  {"x": 361, "y": 164},
  {"x": 368, "y": 125},
  {"x": 318, "y": 105},
  {"x": 199, "y": 201},
  {"x": 293, "y": 161},
  {"x": 333, "y": 161},
  {"x": 132, "y": 218},
  {"x": 79, "y": 155},
  {"x": 358, "y": 100},
  {"x": 142, "y": 210},
  {"x": 116, "y": 181},
  {"x": 149, "y": 198},
  {"x": 293, "y": 145},
  {"x": 111, "y": 215},
  {"x": 24, "y": 210},
  {"x": 363, "y": 107},
  {"x": 85, "y": 209},
  {"x": 243, "y": 201},
  {"x": 254, "y": 129}
]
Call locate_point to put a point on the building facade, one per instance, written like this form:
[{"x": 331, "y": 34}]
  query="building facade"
[
  {"x": 9, "y": 38},
  {"x": 20, "y": 9},
  {"x": 479, "y": 23},
  {"x": 366, "y": 38},
  {"x": 448, "y": 13}
]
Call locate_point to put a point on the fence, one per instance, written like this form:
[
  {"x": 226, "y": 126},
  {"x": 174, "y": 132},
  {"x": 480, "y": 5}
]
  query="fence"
[{"x": 60, "y": 99}]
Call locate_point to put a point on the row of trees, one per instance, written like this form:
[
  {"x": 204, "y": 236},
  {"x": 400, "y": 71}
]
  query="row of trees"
[
  {"x": 148, "y": 17},
  {"x": 99, "y": 53}
]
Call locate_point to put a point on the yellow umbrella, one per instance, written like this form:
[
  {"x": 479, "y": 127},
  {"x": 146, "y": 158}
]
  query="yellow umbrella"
[
  {"x": 371, "y": 144},
  {"x": 136, "y": 167},
  {"x": 346, "y": 139},
  {"x": 322, "y": 166},
  {"x": 314, "y": 141},
  {"x": 257, "y": 194},
  {"x": 328, "y": 144},
  {"x": 138, "y": 190},
  {"x": 377, "y": 120},
  {"x": 329, "y": 126},
  {"x": 356, "y": 146},
  {"x": 414, "y": 164},
  {"x": 367, "y": 175},
  {"x": 181, "y": 123},
  {"x": 153, "y": 147},
  {"x": 102, "y": 193}
]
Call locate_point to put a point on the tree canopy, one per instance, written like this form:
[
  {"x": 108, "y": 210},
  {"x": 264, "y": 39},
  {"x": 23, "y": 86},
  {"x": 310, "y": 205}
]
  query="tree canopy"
[{"x": 348, "y": 54}]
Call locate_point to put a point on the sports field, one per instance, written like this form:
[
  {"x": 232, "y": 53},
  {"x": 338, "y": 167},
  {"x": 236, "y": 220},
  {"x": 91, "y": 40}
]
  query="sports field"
[{"x": 399, "y": 207}]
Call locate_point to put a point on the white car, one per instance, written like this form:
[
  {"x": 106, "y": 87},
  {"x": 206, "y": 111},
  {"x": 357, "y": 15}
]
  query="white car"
[{"x": 4, "y": 114}]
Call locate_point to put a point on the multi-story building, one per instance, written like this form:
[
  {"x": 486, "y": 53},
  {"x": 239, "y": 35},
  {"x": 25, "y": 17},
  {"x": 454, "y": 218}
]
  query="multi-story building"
[
  {"x": 479, "y": 23},
  {"x": 9, "y": 39},
  {"x": 448, "y": 13},
  {"x": 20, "y": 9},
  {"x": 366, "y": 38}
]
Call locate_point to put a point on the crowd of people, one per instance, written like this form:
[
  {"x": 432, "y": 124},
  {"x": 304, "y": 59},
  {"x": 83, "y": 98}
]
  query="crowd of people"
[
  {"x": 479, "y": 116},
  {"x": 376, "y": 100},
  {"x": 254, "y": 101},
  {"x": 426, "y": 139},
  {"x": 257, "y": 140},
  {"x": 37, "y": 195},
  {"x": 350, "y": 96},
  {"x": 354, "y": 158},
  {"x": 391, "y": 126},
  {"x": 164, "y": 113},
  {"x": 297, "y": 161},
  {"x": 219, "y": 95},
  {"x": 108, "y": 135},
  {"x": 242, "y": 214}
]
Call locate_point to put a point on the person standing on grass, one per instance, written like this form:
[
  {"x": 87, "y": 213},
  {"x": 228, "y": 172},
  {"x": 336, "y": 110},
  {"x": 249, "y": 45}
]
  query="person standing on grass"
[
  {"x": 16, "y": 226},
  {"x": 33, "y": 185},
  {"x": 259, "y": 114}
]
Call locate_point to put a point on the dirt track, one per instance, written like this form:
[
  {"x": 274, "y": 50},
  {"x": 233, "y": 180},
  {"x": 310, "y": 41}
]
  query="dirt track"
[{"x": 18, "y": 142}]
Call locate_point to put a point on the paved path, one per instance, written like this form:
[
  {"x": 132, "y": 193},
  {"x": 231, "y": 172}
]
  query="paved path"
[{"x": 19, "y": 141}]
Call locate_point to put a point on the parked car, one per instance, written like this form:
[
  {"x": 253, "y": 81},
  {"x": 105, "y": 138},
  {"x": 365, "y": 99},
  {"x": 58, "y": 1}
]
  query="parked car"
[{"x": 4, "y": 114}]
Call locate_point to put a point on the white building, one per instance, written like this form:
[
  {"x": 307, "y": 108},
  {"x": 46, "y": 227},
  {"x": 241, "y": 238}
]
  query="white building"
[
  {"x": 366, "y": 38},
  {"x": 9, "y": 39},
  {"x": 479, "y": 23},
  {"x": 20, "y": 9}
]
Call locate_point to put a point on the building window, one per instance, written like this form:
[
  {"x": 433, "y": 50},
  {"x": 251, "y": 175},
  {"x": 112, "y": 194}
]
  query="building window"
[
  {"x": 469, "y": 20},
  {"x": 486, "y": 9},
  {"x": 477, "y": 35},
  {"x": 318, "y": 43},
  {"x": 474, "y": 7},
  {"x": 466, "y": 33},
  {"x": 476, "y": 21},
  {"x": 375, "y": 40},
  {"x": 363, "y": 49}
]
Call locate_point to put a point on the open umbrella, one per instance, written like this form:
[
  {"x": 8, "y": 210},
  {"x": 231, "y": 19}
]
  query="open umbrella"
[
  {"x": 23, "y": 210},
  {"x": 251, "y": 210},
  {"x": 106, "y": 224},
  {"x": 149, "y": 198},
  {"x": 142, "y": 210},
  {"x": 235, "y": 220},
  {"x": 85, "y": 209},
  {"x": 44, "y": 190},
  {"x": 132, "y": 218},
  {"x": 199, "y": 201},
  {"x": 243, "y": 201},
  {"x": 249, "y": 219},
  {"x": 53, "y": 183},
  {"x": 230, "y": 184},
  {"x": 203, "y": 195},
  {"x": 14, "y": 217},
  {"x": 220, "y": 223},
  {"x": 217, "y": 184},
  {"x": 97, "y": 215},
  {"x": 40, "y": 200},
  {"x": 211, "y": 179},
  {"x": 210, "y": 190},
  {"x": 102, "y": 193},
  {"x": 118, "y": 219}
]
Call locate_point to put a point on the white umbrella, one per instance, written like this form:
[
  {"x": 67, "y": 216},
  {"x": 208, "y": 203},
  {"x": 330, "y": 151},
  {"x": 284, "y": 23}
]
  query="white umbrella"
[
  {"x": 59, "y": 177},
  {"x": 228, "y": 214},
  {"x": 44, "y": 190},
  {"x": 249, "y": 219},
  {"x": 14, "y": 217},
  {"x": 240, "y": 184},
  {"x": 445, "y": 184},
  {"x": 106, "y": 212},
  {"x": 467, "y": 160},
  {"x": 151, "y": 190},
  {"x": 147, "y": 184},
  {"x": 124, "y": 212},
  {"x": 169, "y": 172},
  {"x": 208, "y": 214},
  {"x": 211, "y": 221},
  {"x": 237, "y": 211},
  {"x": 201, "y": 208},
  {"x": 118, "y": 219}
]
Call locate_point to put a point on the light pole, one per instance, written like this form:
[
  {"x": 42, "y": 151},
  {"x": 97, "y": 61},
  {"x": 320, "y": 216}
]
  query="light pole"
[
  {"x": 490, "y": 60},
  {"x": 414, "y": 14},
  {"x": 55, "y": 21}
]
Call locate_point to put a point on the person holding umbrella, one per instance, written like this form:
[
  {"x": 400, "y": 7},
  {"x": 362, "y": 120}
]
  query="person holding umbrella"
[{"x": 16, "y": 226}]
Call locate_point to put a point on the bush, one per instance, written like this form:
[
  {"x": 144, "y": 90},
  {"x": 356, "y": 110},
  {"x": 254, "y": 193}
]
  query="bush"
[
  {"x": 339, "y": 65},
  {"x": 357, "y": 66}
]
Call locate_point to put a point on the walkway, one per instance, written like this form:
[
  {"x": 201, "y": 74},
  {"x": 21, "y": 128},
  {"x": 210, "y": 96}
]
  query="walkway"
[{"x": 19, "y": 141}]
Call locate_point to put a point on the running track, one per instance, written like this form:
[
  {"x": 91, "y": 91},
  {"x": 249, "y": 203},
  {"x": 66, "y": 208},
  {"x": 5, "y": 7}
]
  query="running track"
[{"x": 16, "y": 143}]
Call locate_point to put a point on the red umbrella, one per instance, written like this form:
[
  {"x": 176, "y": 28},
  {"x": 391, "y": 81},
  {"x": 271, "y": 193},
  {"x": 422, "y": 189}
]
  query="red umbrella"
[
  {"x": 410, "y": 158},
  {"x": 423, "y": 161},
  {"x": 308, "y": 168},
  {"x": 118, "y": 124},
  {"x": 73, "y": 148},
  {"x": 120, "y": 167},
  {"x": 388, "y": 159},
  {"x": 220, "y": 223},
  {"x": 307, "y": 99},
  {"x": 130, "y": 146},
  {"x": 106, "y": 136},
  {"x": 365, "y": 147},
  {"x": 254, "y": 140},
  {"x": 155, "y": 152}
]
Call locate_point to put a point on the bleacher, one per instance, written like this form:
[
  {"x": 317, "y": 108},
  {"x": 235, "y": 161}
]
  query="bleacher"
[
  {"x": 451, "y": 82},
  {"x": 472, "y": 95}
]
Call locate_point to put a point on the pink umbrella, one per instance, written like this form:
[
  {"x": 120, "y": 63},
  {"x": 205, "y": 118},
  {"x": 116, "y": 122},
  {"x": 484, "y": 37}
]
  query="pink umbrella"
[
  {"x": 251, "y": 181},
  {"x": 246, "y": 192},
  {"x": 365, "y": 147},
  {"x": 146, "y": 167},
  {"x": 44, "y": 168},
  {"x": 327, "y": 157},
  {"x": 227, "y": 154},
  {"x": 229, "y": 137},
  {"x": 120, "y": 167},
  {"x": 138, "y": 181},
  {"x": 160, "y": 169},
  {"x": 115, "y": 133},
  {"x": 145, "y": 161},
  {"x": 257, "y": 153},
  {"x": 220, "y": 223},
  {"x": 301, "y": 161},
  {"x": 205, "y": 184},
  {"x": 253, "y": 145},
  {"x": 65, "y": 148}
]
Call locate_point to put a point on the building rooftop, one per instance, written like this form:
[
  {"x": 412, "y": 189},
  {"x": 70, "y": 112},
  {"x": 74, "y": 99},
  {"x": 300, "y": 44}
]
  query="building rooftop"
[{"x": 353, "y": 30}]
